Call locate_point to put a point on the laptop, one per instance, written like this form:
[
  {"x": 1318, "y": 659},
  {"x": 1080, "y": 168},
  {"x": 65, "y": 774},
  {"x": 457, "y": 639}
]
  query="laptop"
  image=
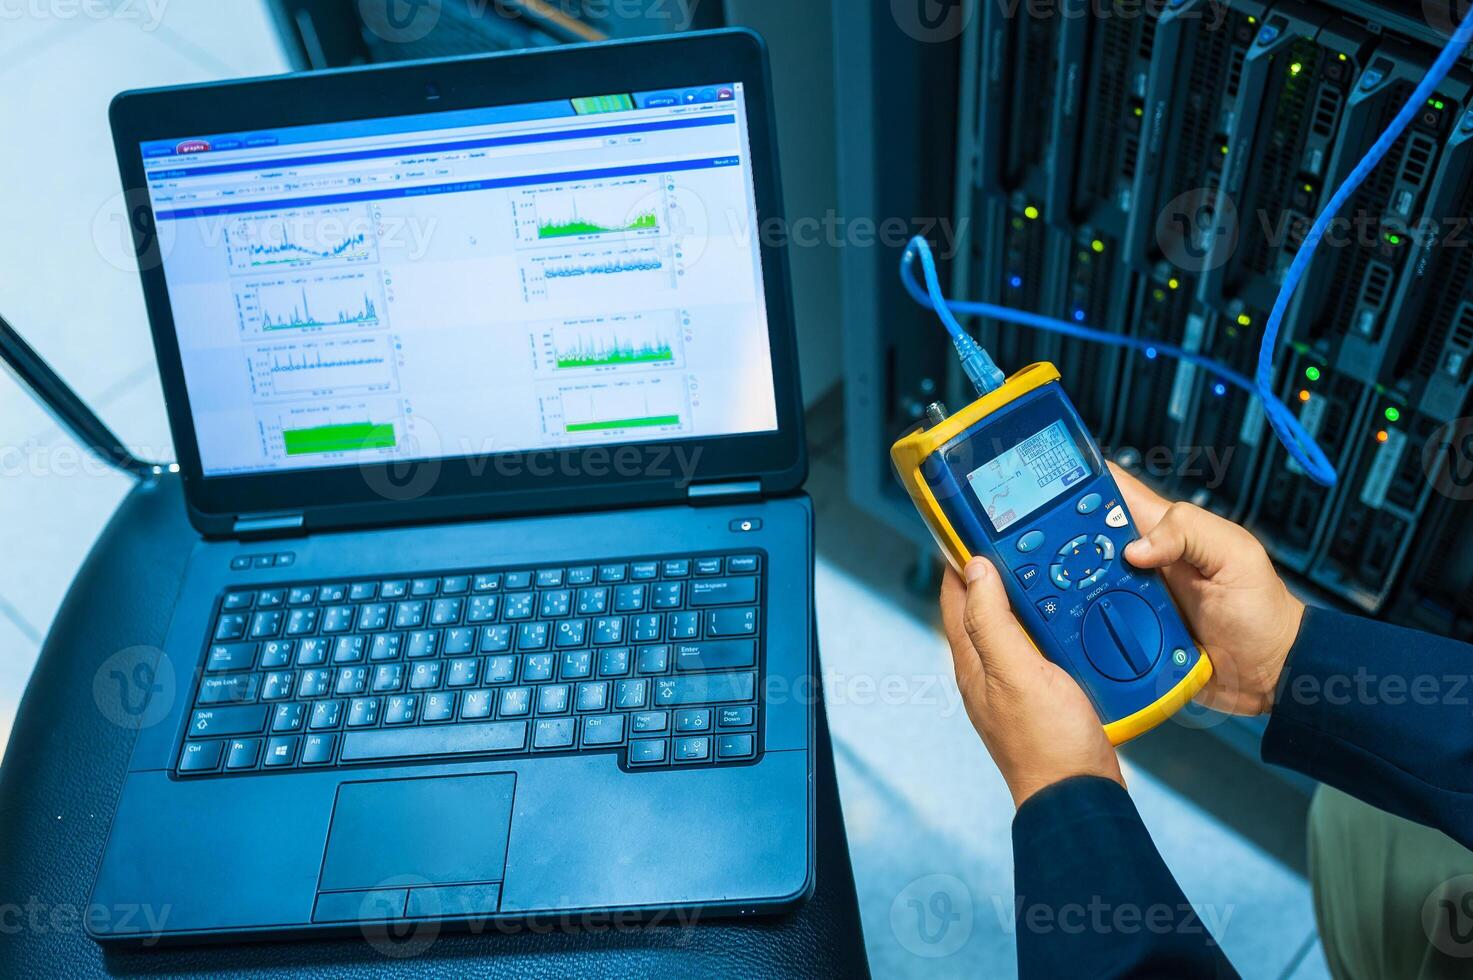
[{"x": 484, "y": 391}]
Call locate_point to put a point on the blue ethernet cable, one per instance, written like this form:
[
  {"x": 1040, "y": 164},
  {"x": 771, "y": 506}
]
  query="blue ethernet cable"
[{"x": 1300, "y": 445}]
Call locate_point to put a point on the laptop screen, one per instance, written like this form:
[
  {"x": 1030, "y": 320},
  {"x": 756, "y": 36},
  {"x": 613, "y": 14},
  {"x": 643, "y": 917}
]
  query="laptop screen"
[{"x": 526, "y": 277}]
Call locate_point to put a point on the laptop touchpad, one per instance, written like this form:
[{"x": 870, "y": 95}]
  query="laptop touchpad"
[{"x": 441, "y": 829}]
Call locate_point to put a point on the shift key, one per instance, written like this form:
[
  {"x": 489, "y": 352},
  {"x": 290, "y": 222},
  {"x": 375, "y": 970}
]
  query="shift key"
[
  {"x": 705, "y": 688},
  {"x": 716, "y": 655},
  {"x": 247, "y": 719}
]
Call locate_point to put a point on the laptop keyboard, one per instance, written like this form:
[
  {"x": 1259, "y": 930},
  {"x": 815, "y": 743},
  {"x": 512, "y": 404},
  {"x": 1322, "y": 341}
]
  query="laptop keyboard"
[{"x": 656, "y": 660}]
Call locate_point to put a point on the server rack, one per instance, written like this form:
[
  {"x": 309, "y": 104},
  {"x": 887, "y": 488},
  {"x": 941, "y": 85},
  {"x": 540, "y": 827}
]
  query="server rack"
[{"x": 1156, "y": 168}]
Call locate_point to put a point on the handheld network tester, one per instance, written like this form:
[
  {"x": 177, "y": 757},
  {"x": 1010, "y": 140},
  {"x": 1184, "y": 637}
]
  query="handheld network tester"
[{"x": 1016, "y": 477}]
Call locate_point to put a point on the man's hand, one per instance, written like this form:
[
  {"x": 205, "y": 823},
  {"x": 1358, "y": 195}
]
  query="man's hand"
[
  {"x": 1225, "y": 586},
  {"x": 1036, "y": 722}
]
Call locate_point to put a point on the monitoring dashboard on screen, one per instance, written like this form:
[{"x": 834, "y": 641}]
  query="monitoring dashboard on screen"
[{"x": 537, "y": 276}]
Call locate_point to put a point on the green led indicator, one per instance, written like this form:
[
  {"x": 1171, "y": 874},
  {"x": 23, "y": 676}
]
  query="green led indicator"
[
  {"x": 1393, "y": 239},
  {"x": 1312, "y": 373},
  {"x": 1393, "y": 414}
]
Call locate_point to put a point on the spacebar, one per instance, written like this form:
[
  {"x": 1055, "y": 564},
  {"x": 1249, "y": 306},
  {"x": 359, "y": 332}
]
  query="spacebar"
[{"x": 389, "y": 743}]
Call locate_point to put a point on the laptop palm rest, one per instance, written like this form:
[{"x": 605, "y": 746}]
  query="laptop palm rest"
[{"x": 408, "y": 848}]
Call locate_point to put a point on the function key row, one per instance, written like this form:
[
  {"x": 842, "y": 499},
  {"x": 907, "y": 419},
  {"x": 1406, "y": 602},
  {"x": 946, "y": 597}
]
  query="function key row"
[
  {"x": 557, "y": 625},
  {"x": 456, "y": 585}
]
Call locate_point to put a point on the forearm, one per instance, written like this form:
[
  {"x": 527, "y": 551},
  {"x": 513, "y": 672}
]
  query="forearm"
[
  {"x": 1382, "y": 713},
  {"x": 1094, "y": 897}
]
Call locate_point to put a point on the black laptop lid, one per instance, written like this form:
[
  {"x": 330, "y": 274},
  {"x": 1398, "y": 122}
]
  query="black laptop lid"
[{"x": 530, "y": 281}]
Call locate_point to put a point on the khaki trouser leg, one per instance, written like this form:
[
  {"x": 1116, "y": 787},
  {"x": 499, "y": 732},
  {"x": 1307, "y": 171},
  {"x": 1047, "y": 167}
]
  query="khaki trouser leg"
[{"x": 1373, "y": 876}]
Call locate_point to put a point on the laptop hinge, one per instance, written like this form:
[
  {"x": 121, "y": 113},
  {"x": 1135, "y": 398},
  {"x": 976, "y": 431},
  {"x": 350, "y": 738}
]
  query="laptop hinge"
[
  {"x": 268, "y": 525},
  {"x": 721, "y": 493}
]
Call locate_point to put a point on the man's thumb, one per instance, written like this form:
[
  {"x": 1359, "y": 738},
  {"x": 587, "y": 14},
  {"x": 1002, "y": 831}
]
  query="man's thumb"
[{"x": 989, "y": 619}]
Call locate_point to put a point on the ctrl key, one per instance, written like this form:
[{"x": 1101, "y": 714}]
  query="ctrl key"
[{"x": 200, "y": 757}]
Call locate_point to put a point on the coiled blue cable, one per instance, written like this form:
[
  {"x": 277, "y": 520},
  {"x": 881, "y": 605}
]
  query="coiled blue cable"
[{"x": 1296, "y": 440}]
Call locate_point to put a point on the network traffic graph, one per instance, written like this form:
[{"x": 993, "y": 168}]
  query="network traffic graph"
[
  {"x": 599, "y": 354},
  {"x": 630, "y": 207},
  {"x": 302, "y": 238},
  {"x": 302, "y": 316},
  {"x": 326, "y": 368},
  {"x": 612, "y": 267},
  {"x": 336, "y": 301},
  {"x": 575, "y": 226},
  {"x": 619, "y": 343}
]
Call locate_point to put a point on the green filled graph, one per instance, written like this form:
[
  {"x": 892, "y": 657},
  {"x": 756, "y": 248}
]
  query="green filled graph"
[
  {"x": 620, "y": 210},
  {"x": 574, "y": 225},
  {"x": 645, "y": 422},
  {"x": 344, "y": 437},
  {"x": 639, "y": 403},
  {"x": 593, "y": 353}
]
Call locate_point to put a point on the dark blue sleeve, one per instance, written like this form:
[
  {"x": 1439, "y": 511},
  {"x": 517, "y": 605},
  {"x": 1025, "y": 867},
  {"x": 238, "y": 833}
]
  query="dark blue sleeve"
[
  {"x": 1382, "y": 713},
  {"x": 1094, "y": 898}
]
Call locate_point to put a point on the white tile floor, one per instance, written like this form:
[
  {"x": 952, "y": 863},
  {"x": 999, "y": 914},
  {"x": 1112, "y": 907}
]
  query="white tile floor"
[{"x": 920, "y": 796}]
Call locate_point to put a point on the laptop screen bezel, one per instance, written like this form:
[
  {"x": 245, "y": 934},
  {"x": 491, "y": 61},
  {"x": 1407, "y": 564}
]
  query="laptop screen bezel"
[{"x": 450, "y": 487}]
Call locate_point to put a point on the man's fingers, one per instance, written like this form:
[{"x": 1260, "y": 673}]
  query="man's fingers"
[
  {"x": 989, "y": 622},
  {"x": 953, "y": 612},
  {"x": 1186, "y": 533},
  {"x": 1144, "y": 504}
]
